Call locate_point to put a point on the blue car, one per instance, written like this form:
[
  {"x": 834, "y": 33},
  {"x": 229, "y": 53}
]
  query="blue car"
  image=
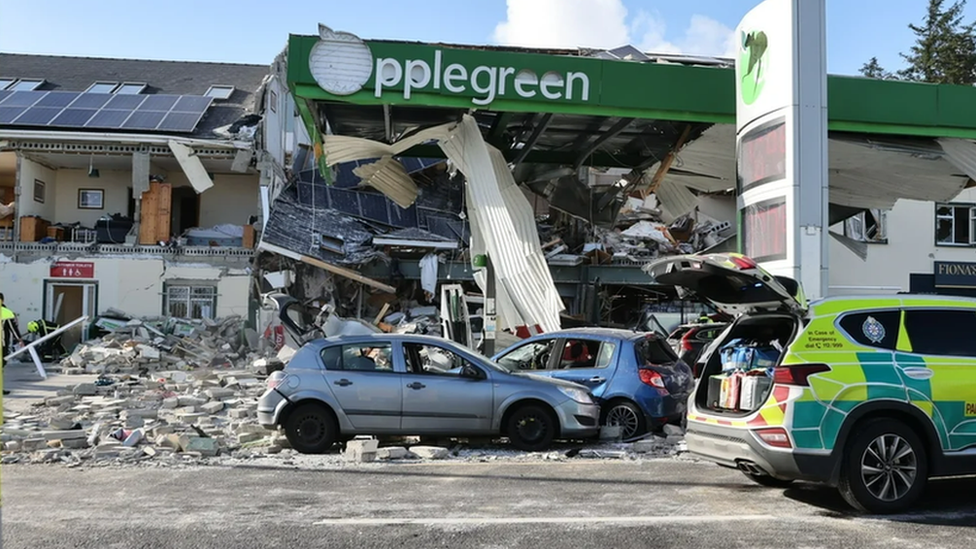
[{"x": 637, "y": 378}]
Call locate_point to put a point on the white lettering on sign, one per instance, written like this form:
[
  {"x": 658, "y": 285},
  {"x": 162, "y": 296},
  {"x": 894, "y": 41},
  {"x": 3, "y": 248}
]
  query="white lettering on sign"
[
  {"x": 488, "y": 83},
  {"x": 341, "y": 63}
]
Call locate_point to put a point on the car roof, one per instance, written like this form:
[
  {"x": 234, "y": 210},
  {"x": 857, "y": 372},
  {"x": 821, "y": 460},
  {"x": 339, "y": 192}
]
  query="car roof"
[
  {"x": 384, "y": 337},
  {"x": 605, "y": 333}
]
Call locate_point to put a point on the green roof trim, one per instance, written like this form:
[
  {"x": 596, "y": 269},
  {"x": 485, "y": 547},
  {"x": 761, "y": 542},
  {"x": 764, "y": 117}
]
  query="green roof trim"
[{"x": 634, "y": 89}]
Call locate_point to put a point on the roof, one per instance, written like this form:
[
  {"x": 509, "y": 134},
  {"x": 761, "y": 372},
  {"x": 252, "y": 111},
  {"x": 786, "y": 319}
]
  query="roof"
[{"x": 77, "y": 74}]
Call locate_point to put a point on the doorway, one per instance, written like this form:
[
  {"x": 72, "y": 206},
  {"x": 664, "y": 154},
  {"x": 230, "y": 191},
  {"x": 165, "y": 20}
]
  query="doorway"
[
  {"x": 186, "y": 209},
  {"x": 66, "y": 301}
]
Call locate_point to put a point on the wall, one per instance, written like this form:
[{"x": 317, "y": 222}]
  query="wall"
[
  {"x": 29, "y": 171},
  {"x": 231, "y": 200},
  {"x": 910, "y": 249},
  {"x": 131, "y": 285},
  {"x": 114, "y": 183},
  {"x": 718, "y": 207}
]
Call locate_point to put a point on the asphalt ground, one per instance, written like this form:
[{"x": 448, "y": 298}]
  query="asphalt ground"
[{"x": 581, "y": 503}]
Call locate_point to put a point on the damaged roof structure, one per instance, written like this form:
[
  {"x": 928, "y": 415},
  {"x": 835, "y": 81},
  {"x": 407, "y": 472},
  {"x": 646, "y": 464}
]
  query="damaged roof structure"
[{"x": 618, "y": 146}]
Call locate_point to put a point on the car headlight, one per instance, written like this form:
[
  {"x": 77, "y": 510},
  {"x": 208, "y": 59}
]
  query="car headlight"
[{"x": 578, "y": 395}]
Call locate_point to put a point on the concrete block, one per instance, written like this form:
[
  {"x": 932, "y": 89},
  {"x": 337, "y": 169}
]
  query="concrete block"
[
  {"x": 392, "y": 452},
  {"x": 244, "y": 438},
  {"x": 52, "y": 435},
  {"x": 185, "y": 400},
  {"x": 673, "y": 430},
  {"x": 62, "y": 423},
  {"x": 207, "y": 447},
  {"x": 59, "y": 400},
  {"x": 74, "y": 443},
  {"x": 430, "y": 452},
  {"x": 217, "y": 393},
  {"x": 134, "y": 422},
  {"x": 85, "y": 389},
  {"x": 212, "y": 407},
  {"x": 12, "y": 446},
  {"x": 134, "y": 438},
  {"x": 240, "y": 413},
  {"x": 170, "y": 403}
]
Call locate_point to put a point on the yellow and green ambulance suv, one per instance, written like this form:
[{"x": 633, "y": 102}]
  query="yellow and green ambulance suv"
[{"x": 873, "y": 395}]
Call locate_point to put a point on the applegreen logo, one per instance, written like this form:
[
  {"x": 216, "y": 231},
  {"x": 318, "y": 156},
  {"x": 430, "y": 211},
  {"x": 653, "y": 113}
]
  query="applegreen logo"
[{"x": 753, "y": 60}]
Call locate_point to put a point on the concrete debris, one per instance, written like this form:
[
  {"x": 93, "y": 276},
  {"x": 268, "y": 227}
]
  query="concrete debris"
[
  {"x": 168, "y": 389},
  {"x": 361, "y": 450},
  {"x": 430, "y": 452}
]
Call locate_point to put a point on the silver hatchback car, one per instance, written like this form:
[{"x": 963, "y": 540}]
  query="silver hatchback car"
[{"x": 384, "y": 384}]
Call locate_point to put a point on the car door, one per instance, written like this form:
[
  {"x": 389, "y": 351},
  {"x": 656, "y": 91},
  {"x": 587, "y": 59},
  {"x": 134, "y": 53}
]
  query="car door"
[
  {"x": 588, "y": 361},
  {"x": 942, "y": 367},
  {"x": 366, "y": 384},
  {"x": 437, "y": 399}
]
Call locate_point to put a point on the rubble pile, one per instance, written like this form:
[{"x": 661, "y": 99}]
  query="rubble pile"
[
  {"x": 638, "y": 236},
  {"x": 166, "y": 389}
]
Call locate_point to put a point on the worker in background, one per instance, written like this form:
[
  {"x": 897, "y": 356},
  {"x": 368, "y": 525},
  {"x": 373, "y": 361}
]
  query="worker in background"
[
  {"x": 51, "y": 349},
  {"x": 704, "y": 318},
  {"x": 8, "y": 334},
  {"x": 11, "y": 332}
]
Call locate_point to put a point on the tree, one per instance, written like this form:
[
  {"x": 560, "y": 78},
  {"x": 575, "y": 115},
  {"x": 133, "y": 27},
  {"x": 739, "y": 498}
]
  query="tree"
[
  {"x": 873, "y": 69},
  {"x": 944, "y": 51}
]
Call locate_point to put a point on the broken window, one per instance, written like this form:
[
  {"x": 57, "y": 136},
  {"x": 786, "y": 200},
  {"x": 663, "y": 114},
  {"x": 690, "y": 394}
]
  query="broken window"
[
  {"x": 955, "y": 224},
  {"x": 431, "y": 359},
  {"x": 868, "y": 226},
  {"x": 531, "y": 356},
  {"x": 585, "y": 353},
  {"x": 190, "y": 301}
]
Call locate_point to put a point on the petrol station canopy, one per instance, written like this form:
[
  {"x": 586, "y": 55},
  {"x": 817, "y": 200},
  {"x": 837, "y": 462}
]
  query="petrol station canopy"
[{"x": 553, "y": 111}]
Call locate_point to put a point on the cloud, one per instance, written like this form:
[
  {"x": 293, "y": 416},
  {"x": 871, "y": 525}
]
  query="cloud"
[
  {"x": 564, "y": 24},
  {"x": 606, "y": 24}
]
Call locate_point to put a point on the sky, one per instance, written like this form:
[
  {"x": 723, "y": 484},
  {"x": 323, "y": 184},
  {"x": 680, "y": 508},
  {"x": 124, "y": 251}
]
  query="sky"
[{"x": 253, "y": 31}]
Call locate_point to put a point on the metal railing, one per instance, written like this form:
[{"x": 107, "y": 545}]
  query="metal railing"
[{"x": 56, "y": 248}]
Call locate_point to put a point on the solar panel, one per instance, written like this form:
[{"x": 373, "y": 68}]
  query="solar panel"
[
  {"x": 74, "y": 118},
  {"x": 57, "y": 99},
  {"x": 125, "y": 102},
  {"x": 38, "y": 116},
  {"x": 172, "y": 113},
  {"x": 192, "y": 103},
  {"x": 8, "y": 114},
  {"x": 91, "y": 100},
  {"x": 22, "y": 99},
  {"x": 144, "y": 120},
  {"x": 179, "y": 122},
  {"x": 158, "y": 103},
  {"x": 106, "y": 118}
]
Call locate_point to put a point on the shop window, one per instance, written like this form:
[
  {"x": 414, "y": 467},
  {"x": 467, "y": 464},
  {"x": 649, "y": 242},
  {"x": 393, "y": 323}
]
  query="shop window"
[
  {"x": 190, "y": 301},
  {"x": 875, "y": 329},
  {"x": 955, "y": 224},
  {"x": 868, "y": 226},
  {"x": 942, "y": 332}
]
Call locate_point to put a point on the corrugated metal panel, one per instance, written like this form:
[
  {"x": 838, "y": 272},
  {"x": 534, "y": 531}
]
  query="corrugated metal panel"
[
  {"x": 389, "y": 177},
  {"x": 675, "y": 199},
  {"x": 502, "y": 225}
]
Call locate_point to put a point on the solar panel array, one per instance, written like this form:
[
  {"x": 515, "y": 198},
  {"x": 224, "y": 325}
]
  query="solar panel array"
[{"x": 104, "y": 111}]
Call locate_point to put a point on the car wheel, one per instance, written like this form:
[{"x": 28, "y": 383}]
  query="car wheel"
[
  {"x": 885, "y": 468},
  {"x": 768, "y": 481},
  {"x": 531, "y": 428},
  {"x": 627, "y": 416},
  {"x": 311, "y": 429}
]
